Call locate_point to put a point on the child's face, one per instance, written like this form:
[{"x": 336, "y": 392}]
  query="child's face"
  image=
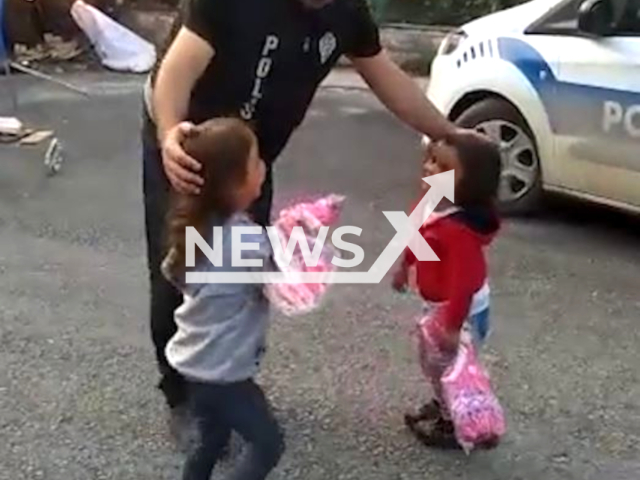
[
  {"x": 440, "y": 158},
  {"x": 256, "y": 171}
]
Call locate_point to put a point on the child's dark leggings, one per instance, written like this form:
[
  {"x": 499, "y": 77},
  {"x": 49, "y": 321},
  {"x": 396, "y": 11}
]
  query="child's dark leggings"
[{"x": 219, "y": 409}]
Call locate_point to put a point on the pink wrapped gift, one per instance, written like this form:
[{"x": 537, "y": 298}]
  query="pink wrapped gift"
[
  {"x": 298, "y": 298},
  {"x": 475, "y": 410},
  {"x": 310, "y": 215}
]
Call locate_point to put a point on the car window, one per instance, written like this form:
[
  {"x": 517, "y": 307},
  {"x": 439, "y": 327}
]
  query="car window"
[
  {"x": 565, "y": 19},
  {"x": 629, "y": 23}
]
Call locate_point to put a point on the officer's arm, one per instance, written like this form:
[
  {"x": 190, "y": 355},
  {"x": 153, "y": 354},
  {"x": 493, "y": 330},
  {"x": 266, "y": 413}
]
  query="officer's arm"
[
  {"x": 184, "y": 63},
  {"x": 402, "y": 95}
]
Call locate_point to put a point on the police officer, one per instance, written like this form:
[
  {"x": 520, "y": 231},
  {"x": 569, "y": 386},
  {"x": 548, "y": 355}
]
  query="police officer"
[{"x": 262, "y": 60}]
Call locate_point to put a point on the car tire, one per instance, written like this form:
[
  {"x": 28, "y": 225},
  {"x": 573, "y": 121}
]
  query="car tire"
[{"x": 521, "y": 183}]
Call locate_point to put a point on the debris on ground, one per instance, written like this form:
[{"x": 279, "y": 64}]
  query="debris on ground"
[
  {"x": 26, "y": 55},
  {"x": 53, "y": 48},
  {"x": 10, "y": 126},
  {"x": 118, "y": 47},
  {"x": 60, "y": 49},
  {"x": 12, "y": 130},
  {"x": 53, "y": 158},
  {"x": 36, "y": 137}
]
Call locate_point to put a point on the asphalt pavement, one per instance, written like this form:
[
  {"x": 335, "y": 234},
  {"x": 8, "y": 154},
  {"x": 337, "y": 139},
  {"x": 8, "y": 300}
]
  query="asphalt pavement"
[{"x": 77, "y": 373}]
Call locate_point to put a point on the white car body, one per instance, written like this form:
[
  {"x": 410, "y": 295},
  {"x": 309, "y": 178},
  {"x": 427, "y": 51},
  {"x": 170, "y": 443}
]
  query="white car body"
[{"x": 579, "y": 94}]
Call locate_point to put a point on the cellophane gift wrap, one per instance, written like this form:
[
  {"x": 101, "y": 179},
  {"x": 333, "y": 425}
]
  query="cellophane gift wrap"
[
  {"x": 475, "y": 410},
  {"x": 299, "y": 298}
]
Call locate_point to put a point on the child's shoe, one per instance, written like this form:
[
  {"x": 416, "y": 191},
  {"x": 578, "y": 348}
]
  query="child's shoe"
[
  {"x": 441, "y": 435},
  {"x": 429, "y": 412}
]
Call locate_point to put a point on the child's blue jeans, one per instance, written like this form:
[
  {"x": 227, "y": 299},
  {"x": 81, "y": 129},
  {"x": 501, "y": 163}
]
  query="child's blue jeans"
[
  {"x": 478, "y": 326},
  {"x": 221, "y": 408}
]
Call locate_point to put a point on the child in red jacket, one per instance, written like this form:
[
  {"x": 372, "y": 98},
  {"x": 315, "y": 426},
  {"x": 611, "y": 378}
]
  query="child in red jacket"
[{"x": 455, "y": 289}]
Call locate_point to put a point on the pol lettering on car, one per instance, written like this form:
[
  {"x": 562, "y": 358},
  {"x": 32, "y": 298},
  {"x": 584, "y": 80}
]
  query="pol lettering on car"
[{"x": 616, "y": 115}]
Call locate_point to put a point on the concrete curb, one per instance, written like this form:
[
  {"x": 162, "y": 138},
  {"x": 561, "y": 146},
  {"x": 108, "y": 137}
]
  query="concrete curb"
[
  {"x": 413, "y": 47},
  {"x": 348, "y": 79},
  {"x": 410, "y": 46}
]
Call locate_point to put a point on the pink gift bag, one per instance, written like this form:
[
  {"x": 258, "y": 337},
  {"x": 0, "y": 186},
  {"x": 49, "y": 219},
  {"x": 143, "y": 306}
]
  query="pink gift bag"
[
  {"x": 475, "y": 410},
  {"x": 298, "y": 298}
]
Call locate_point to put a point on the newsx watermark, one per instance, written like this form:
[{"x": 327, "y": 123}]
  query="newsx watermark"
[{"x": 249, "y": 270}]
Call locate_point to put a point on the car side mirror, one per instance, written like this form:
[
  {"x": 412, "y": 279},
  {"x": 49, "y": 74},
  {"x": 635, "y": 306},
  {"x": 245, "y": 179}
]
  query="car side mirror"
[{"x": 596, "y": 17}]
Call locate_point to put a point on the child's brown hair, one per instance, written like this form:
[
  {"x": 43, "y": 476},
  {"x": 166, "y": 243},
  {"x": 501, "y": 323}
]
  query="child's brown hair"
[
  {"x": 481, "y": 164},
  {"x": 223, "y": 147}
]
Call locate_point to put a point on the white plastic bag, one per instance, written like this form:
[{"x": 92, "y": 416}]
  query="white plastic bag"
[{"x": 117, "y": 46}]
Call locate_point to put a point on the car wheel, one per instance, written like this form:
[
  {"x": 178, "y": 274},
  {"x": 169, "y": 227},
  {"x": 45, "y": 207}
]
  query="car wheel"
[{"x": 521, "y": 181}]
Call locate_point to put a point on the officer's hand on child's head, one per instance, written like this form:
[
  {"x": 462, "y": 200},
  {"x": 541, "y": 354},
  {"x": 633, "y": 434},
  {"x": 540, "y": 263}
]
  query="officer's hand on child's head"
[{"x": 179, "y": 166}]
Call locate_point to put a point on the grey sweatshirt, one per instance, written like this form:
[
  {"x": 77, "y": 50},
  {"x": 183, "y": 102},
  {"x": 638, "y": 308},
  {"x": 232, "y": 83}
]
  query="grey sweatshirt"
[{"x": 222, "y": 328}]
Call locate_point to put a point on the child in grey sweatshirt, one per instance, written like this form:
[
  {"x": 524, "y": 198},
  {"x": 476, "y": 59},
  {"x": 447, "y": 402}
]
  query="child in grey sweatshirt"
[{"x": 222, "y": 327}]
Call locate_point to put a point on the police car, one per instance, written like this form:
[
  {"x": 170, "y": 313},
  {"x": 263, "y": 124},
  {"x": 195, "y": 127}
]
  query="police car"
[{"x": 557, "y": 83}]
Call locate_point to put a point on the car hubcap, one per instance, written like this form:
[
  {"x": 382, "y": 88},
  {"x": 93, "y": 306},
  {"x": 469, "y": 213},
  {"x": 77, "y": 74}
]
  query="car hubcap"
[{"x": 519, "y": 159}]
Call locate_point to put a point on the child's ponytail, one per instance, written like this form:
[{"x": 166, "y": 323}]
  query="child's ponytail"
[{"x": 183, "y": 214}]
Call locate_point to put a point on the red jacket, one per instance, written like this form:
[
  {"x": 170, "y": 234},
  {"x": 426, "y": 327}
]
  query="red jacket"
[{"x": 458, "y": 239}]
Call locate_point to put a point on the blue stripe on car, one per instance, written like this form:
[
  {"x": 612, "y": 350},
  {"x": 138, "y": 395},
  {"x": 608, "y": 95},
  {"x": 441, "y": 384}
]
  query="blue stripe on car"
[{"x": 573, "y": 109}]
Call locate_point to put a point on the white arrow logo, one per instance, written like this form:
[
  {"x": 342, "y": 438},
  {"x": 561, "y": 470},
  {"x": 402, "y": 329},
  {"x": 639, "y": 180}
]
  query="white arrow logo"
[{"x": 407, "y": 235}]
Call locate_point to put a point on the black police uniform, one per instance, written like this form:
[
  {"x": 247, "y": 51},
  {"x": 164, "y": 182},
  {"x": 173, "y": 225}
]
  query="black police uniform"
[{"x": 270, "y": 58}]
